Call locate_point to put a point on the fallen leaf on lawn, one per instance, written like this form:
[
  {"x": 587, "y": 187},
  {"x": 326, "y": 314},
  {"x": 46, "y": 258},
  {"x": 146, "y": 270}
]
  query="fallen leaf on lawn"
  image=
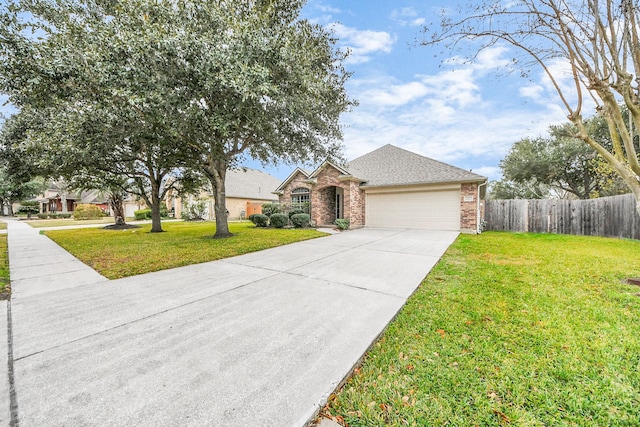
[
  {"x": 441, "y": 332},
  {"x": 503, "y": 417},
  {"x": 405, "y": 401},
  {"x": 410, "y": 367}
]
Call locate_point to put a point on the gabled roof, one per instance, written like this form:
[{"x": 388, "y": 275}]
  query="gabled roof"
[
  {"x": 326, "y": 163},
  {"x": 390, "y": 166},
  {"x": 284, "y": 183},
  {"x": 250, "y": 184}
]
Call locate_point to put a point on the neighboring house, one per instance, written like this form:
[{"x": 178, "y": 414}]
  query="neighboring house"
[
  {"x": 246, "y": 191},
  {"x": 52, "y": 200},
  {"x": 389, "y": 187}
]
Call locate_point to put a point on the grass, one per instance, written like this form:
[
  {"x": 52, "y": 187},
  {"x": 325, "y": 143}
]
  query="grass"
[
  {"x": 122, "y": 253},
  {"x": 38, "y": 223},
  {"x": 509, "y": 329},
  {"x": 4, "y": 268},
  {"x": 3, "y": 225}
]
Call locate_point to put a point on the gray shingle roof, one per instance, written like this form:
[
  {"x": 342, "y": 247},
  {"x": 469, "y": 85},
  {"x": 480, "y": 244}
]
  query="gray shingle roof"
[
  {"x": 390, "y": 165},
  {"x": 251, "y": 184}
]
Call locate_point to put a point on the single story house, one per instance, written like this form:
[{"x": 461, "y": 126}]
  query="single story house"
[
  {"x": 246, "y": 191},
  {"x": 389, "y": 187},
  {"x": 54, "y": 199}
]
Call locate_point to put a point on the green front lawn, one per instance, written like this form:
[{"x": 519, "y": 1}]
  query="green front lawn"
[
  {"x": 4, "y": 268},
  {"x": 3, "y": 225},
  {"x": 121, "y": 253},
  {"x": 38, "y": 223},
  {"x": 509, "y": 329}
]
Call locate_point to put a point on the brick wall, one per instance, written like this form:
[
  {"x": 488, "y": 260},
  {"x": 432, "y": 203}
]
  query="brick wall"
[
  {"x": 468, "y": 208},
  {"x": 323, "y": 197},
  {"x": 296, "y": 182}
]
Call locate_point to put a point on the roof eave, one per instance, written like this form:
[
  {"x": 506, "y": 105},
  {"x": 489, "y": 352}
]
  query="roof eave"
[
  {"x": 415, "y": 184},
  {"x": 290, "y": 178}
]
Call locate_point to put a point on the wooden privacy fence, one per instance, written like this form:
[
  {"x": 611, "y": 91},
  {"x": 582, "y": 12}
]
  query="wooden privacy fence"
[{"x": 614, "y": 216}]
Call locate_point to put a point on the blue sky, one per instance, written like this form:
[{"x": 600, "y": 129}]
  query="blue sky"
[{"x": 424, "y": 99}]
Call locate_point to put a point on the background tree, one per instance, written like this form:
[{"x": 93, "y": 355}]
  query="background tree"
[
  {"x": 154, "y": 87},
  {"x": 560, "y": 163},
  {"x": 597, "y": 40},
  {"x": 19, "y": 178},
  {"x": 100, "y": 115},
  {"x": 506, "y": 189}
]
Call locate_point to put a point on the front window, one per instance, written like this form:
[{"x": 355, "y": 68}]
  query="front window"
[{"x": 300, "y": 197}]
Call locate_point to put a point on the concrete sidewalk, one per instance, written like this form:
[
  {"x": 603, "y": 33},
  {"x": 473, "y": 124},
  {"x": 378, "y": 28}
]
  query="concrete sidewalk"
[
  {"x": 259, "y": 339},
  {"x": 39, "y": 265}
]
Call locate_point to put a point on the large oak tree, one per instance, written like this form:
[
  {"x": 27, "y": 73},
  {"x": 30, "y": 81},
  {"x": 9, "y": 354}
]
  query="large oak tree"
[{"x": 157, "y": 87}]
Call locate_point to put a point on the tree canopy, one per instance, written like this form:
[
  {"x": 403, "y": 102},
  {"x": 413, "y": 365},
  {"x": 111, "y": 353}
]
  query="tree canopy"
[
  {"x": 162, "y": 91},
  {"x": 557, "y": 165},
  {"x": 595, "y": 42}
]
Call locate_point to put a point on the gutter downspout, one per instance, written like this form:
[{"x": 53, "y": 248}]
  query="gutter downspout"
[{"x": 478, "y": 227}]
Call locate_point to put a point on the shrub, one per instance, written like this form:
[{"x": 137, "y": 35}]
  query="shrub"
[
  {"x": 269, "y": 209},
  {"x": 342, "y": 223},
  {"x": 195, "y": 211},
  {"x": 260, "y": 220},
  {"x": 42, "y": 216},
  {"x": 295, "y": 211},
  {"x": 300, "y": 220},
  {"x": 68, "y": 215},
  {"x": 142, "y": 214},
  {"x": 29, "y": 208},
  {"x": 251, "y": 217},
  {"x": 279, "y": 220},
  {"x": 87, "y": 211}
]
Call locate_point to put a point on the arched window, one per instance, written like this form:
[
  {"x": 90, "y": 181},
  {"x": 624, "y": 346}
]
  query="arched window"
[{"x": 299, "y": 195}]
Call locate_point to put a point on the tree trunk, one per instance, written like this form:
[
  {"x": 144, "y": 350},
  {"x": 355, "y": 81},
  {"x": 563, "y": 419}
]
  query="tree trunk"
[
  {"x": 117, "y": 206},
  {"x": 217, "y": 177},
  {"x": 156, "y": 224},
  {"x": 9, "y": 209},
  {"x": 63, "y": 201}
]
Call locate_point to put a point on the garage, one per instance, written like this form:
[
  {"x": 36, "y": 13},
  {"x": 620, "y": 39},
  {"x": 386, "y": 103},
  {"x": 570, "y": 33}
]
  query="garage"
[{"x": 433, "y": 210}]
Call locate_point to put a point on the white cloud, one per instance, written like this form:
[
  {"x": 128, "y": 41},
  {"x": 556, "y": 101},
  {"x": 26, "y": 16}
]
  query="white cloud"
[
  {"x": 407, "y": 16},
  {"x": 362, "y": 43},
  {"x": 327, "y": 9},
  {"x": 491, "y": 172},
  {"x": 534, "y": 91},
  {"x": 449, "y": 116},
  {"x": 396, "y": 95}
]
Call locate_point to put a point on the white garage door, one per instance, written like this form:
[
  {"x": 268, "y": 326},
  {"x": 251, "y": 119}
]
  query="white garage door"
[{"x": 433, "y": 210}]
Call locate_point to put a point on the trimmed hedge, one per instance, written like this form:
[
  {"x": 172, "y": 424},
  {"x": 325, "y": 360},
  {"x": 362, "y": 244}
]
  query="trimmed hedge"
[
  {"x": 300, "y": 220},
  {"x": 279, "y": 220},
  {"x": 269, "y": 209},
  {"x": 142, "y": 214},
  {"x": 293, "y": 212},
  {"x": 86, "y": 211},
  {"x": 260, "y": 220}
]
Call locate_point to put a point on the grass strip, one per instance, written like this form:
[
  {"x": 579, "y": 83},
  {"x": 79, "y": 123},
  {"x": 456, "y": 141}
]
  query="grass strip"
[{"x": 4, "y": 268}]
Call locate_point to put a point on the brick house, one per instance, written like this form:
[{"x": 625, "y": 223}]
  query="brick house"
[
  {"x": 246, "y": 190},
  {"x": 389, "y": 187}
]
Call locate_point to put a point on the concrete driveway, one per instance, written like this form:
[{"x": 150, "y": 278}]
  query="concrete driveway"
[{"x": 257, "y": 340}]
